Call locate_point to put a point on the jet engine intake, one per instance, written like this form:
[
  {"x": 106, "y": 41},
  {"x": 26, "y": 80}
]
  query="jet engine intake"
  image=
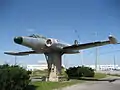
[{"x": 50, "y": 42}]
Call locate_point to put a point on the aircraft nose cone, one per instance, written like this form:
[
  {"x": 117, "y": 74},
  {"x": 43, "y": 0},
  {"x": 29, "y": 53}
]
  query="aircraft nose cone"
[{"x": 18, "y": 40}]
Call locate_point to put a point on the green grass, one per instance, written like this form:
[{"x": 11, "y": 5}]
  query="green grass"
[
  {"x": 114, "y": 75},
  {"x": 53, "y": 85},
  {"x": 96, "y": 77},
  {"x": 39, "y": 73},
  {"x": 56, "y": 85},
  {"x": 100, "y": 75}
]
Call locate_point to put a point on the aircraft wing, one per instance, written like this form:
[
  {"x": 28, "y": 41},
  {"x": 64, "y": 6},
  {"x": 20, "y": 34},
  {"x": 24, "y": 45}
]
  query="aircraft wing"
[
  {"x": 112, "y": 40},
  {"x": 21, "y": 53}
]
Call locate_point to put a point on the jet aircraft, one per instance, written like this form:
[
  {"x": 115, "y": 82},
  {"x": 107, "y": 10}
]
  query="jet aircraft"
[{"x": 53, "y": 49}]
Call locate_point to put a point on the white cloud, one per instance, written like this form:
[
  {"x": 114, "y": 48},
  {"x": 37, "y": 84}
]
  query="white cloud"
[{"x": 30, "y": 30}]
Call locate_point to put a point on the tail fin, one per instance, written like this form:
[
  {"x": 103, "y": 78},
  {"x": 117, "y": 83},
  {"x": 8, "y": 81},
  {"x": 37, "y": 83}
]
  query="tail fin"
[{"x": 112, "y": 39}]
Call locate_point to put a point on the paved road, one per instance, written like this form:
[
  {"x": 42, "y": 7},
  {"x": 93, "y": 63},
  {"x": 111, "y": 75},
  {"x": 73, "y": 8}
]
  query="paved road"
[{"x": 97, "y": 85}]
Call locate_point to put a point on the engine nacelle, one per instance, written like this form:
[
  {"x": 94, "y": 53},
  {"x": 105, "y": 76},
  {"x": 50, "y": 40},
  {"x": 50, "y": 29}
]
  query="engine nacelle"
[{"x": 50, "y": 42}]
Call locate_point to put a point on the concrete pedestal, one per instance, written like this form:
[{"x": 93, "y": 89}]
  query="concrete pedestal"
[
  {"x": 54, "y": 66},
  {"x": 53, "y": 74}
]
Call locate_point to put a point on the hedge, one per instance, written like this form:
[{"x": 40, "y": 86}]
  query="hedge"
[
  {"x": 13, "y": 77},
  {"x": 80, "y": 71}
]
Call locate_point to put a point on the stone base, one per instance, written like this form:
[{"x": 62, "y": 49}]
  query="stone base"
[
  {"x": 53, "y": 74},
  {"x": 58, "y": 79},
  {"x": 54, "y": 79}
]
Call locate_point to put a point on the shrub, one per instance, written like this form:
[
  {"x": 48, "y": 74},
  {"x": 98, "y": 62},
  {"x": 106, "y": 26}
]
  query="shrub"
[
  {"x": 72, "y": 72},
  {"x": 86, "y": 71},
  {"x": 13, "y": 77},
  {"x": 76, "y": 72}
]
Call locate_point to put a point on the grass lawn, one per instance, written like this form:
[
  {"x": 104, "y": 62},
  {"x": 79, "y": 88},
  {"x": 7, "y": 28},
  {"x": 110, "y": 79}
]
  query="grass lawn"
[
  {"x": 100, "y": 75},
  {"x": 118, "y": 75},
  {"x": 53, "y": 85},
  {"x": 96, "y": 77},
  {"x": 56, "y": 85}
]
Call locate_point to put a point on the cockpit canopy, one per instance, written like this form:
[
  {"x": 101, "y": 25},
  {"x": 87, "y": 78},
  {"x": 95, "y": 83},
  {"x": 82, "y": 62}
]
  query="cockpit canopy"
[{"x": 37, "y": 36}]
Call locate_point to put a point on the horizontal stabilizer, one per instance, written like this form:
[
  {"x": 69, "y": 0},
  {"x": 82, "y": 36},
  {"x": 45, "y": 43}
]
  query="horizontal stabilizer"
[
  {"x": 20, "y": 53},
  {"x": 112, "y": 40}
]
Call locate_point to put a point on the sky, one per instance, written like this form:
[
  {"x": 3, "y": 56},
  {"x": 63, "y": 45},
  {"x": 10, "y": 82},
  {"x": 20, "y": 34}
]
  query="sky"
[{"x": 94, "y": 20}]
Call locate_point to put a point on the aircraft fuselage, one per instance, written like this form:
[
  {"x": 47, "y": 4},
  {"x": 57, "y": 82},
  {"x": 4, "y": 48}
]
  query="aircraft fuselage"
[{"x": 43, "y": 44}]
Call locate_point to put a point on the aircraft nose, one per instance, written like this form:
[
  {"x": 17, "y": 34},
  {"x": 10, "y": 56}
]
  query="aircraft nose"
[{"x": 18, "y": 40}]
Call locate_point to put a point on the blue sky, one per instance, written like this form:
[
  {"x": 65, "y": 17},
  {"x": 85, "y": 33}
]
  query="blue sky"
[{"x": 59, "y": 19}]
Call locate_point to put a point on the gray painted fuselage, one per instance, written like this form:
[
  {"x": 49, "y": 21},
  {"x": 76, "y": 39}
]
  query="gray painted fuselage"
[{"x": 39, "y": 45}]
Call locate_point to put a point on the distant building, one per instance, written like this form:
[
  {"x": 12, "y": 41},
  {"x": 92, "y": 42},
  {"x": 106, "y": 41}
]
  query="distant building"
[
  {"x": 40, "y": 66},
  {"x": 104, "y": 67}
]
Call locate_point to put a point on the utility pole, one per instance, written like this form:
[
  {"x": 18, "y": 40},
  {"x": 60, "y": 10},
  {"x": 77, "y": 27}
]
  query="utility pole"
[
  {"x": 81, "y": 51},
  {"x": 15, "y": 60},
  {"x": 65, "y": 61},
  {"x": 114, "y": 62},
  {"x": 82, "y": 57},
  {"x": 96, "y": 60}
]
